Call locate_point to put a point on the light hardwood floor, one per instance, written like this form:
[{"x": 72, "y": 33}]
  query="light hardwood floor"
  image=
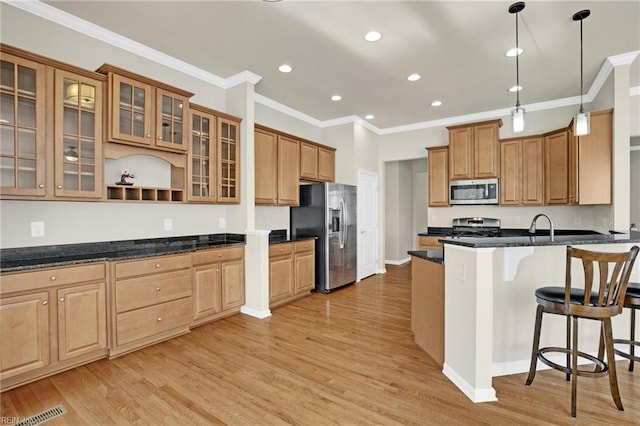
[{"x": 345, "y": 358}]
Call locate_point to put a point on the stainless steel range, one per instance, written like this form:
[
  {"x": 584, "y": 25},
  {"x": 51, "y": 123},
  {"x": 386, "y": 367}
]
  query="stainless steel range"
[{"x": 476, "y": 227}]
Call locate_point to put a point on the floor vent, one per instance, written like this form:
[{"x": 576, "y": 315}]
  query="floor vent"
[{"x": 45, "y": 416}]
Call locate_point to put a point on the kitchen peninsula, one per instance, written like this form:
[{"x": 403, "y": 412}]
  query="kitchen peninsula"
[{"x": 490, "y": 303}]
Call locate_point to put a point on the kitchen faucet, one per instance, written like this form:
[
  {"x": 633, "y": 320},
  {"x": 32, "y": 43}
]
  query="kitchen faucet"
[{"x": 532, "y": 228}]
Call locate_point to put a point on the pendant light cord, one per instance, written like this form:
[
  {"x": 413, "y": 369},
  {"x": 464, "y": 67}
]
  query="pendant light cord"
[
  {"x": 518, "y": 65},
  {"x": 581, "y": 70}
]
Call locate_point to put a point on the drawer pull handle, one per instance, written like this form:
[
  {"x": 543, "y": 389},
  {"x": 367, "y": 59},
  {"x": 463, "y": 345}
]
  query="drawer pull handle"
[
  {"x": 62, "y": 299},
  {"x": 44, "y": 302},
  {"x": 157, "y": 265},
  {"x": 159, "y": 319},
  {"x": 53, "y": 278}
]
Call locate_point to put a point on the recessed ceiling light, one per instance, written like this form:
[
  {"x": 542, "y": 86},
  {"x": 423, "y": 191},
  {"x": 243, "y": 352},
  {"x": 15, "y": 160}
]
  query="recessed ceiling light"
[
  {"x": 511, "y": 53},
  {"x": 436, "y": 103},
  {"x": 414, "y": 77},
  {"x": 271, "y": 1},
  {"x": 515, "y": 89},
  {"x": 336, "y": 97},
  {"x": 372, "y": 36},
  {"x": 285, "y": 68},
  {"x": 369, "y": 117}
]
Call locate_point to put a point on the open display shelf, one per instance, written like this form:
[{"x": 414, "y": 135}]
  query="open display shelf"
[{"x": 140, "y": 193}]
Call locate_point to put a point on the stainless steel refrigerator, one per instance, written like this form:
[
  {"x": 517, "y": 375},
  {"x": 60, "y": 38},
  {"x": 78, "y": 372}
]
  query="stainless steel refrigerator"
[{"x": 327, "y": 211}]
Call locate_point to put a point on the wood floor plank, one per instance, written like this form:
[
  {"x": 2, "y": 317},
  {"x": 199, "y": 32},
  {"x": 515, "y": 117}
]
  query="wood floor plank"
[{"x": 346, "y": 358}]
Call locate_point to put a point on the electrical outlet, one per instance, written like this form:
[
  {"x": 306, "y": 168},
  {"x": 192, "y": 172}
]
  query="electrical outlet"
[
  {"x": 168, "y": 224},
  {"x": 222, "y": 223},
  {"x": 577, "y": 220},
  {"x": 516, "y": 220},
  {"x": 37, "y": 229}
]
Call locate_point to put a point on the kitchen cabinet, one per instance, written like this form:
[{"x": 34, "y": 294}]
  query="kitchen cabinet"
[
  {"x": 201, "y": 164},
  {"x": 556, "y": 164},
  {"x": 228, "y": 163},
  {"x": 51, "y": 129},
  {"x": 145, "y": 112},
  {"x": 438, "y": 176},
  {"x": 474, "y": 150},
  {"x": 430, "y": 242},
  {"x": 276, "y": 168},
  {"x": 522, "y": 171},
  {"x": 51, "y": 320},
  {"x": 218, "y": 283},
  {"x": 291, "y": 271},
  {"x": 152, "y": 301},
  {"x": 317, "y": 163}
]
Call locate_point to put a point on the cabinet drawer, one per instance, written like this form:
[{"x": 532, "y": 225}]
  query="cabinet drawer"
[
  {"x": 153, "y": 265},
  {"x": 138, "y": 292},
  {"x": 146, "y": 322},
  {"x": 281, "y": 249},
  {"x": 430, "y": 243},
  {"x": 302, "y": 246},
  {"x": 217, "y": 255},
  {"x": 21, "y": 281}
]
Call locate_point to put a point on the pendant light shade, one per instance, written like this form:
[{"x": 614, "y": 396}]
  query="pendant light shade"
[
  {"x": 581, "y": 121},
  {"x": 517, "y": 115}
]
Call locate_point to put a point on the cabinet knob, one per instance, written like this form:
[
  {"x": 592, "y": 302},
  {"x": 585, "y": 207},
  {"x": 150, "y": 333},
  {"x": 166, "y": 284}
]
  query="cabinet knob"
[
  {"x": 159, "y": 319},
  {"x": 157, "y": 265},
  {"x": 44, "y": 302},
  {"x": 217, "y": 270},
  {"x": 59, "y": 186},
  {"x": 147, "y": 136},
  {"x": 281, "y": 250},
  {"x": 53, "y": 278},
  {"x": 220, "y": 255},
  {"x": 41, "y": 185},
  {"x": 159, "y": 138},
  {"x": 157, "y": 288},
  {"x": 62, "y": 299}
]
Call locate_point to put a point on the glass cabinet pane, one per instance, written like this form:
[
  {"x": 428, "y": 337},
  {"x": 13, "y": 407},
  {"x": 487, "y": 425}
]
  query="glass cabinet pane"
[
  {"x": 70, "y": 124},
  {"x": 7, "y": 141},
  {"x": 26, "y": 173},
  {"x": 7, "y": 109},
  {"x": 88, "y": 124},
  {"x": 7, "y": 172},
  {"x": 126, "y": 95},
  {"x": 26, "y": 81},
  {"x": 27, "y": 143},
  {"x": 138, "y": 98},
  {"x": 7, "y": 76}
]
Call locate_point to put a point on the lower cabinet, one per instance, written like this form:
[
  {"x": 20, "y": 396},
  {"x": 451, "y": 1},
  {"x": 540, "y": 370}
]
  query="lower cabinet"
[
  {"x": 291, "y": 271},
  {"x": 151, "y": 301},
  {"x": 429, "y": 242},
  {"x": 51, "y": 320},
  {"x": 218, "y": 283}
]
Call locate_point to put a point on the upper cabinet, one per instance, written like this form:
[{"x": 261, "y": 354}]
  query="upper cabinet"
[
  {"x": 317, "y": 162},
  {"x": 51, "y": 128},
  {"x": 556, "y": 161},
  {"x": 474, "y": 150},
  {"x": 201, "y": 165},
  {"x": 228, "y": 146},
  {"x": 438, "y": 170},
  {"x": 145, "y": 112},
  {"x": 521, "y": 171}
]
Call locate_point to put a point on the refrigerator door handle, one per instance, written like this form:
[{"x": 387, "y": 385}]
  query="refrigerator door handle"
[
  {"x": 345, "y": 222},
  {"x": 343, "y": 226}
]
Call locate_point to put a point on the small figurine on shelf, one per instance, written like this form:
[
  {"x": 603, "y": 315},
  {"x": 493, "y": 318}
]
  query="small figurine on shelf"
[{"x": 124, "y": 176}]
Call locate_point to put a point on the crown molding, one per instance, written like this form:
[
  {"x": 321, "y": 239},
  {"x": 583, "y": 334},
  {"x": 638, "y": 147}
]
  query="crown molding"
[{"x": 87, "y": 28}]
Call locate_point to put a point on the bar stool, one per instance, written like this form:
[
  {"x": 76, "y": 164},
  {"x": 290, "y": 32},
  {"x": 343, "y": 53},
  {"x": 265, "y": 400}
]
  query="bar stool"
[
  {"x": 631, "y": 301},
  {"x": 600, "y": 299}
]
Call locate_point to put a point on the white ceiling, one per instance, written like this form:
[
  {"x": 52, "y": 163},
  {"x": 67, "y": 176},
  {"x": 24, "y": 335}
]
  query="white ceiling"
[{"x": 458, "y": 48}]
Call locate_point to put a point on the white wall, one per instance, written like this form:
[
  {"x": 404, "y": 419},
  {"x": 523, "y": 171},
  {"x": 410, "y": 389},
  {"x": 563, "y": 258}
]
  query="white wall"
[{"x": 635, "y": 186}]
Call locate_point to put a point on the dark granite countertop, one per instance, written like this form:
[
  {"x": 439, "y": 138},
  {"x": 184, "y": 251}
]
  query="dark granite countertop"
[
  {"x": 562, "y": 237},
  {"x": 436, "y": 256},
  {"x": 278, "y": 236},
  {"x": 433, "y": 231},
  {"x": 27, "y": 258}
]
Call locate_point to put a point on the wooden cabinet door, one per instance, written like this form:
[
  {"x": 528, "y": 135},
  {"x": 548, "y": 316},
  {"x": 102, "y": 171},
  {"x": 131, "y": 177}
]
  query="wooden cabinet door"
[
  {"x": 592, "y": 161},
  {"x": 24, "y": 332},
  {"x": 486, "y": 151},
  {"x": 438, "y": 173},
  {"x": 532, "y": 173},
  {"x": 131, "y": 110},
  {"x": 281, "y": 277},
  {"x": 326, "y": 164},
  {"x": 22, "y": 127},
  {"x": 201, "y": 164},
  {"x": 82, "y": 320},
  {"x": 288, "y": 171},
  {"x": 207, "y": 290},
  {"x": 78, "y": 133},
  {"x": 266, "y": 167},
  {"x": 510, "y": 169},
  {"x": 171, "y": 115},
  {"x": 556, "y": 170},
  {"x": 228, "y": 161},
  {"x": 304, "y": 272},
  {"x": 232, "y": 284},
  {"x": 308, "y": 161},
  {"x": 461, "y": 153}
]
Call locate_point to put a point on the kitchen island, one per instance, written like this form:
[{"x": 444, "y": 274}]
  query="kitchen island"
[{"x": 490, "y": 303}]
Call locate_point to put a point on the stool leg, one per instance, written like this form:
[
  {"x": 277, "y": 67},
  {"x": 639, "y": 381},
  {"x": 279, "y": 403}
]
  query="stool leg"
[
  {"x": 633, "y": 338},
  {"x": 600, "y": 346},
  {"x": 536, "y": 344},
  {"x": 568, "y": 346},
  {"x": 574, "y": 365},
  {"x": 611, "y": 361}
]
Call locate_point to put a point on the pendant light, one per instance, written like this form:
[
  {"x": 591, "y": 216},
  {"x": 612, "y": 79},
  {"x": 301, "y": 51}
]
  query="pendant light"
[
  {"x": 517, "y": 114},
  {"x": 581, "y": 121}
]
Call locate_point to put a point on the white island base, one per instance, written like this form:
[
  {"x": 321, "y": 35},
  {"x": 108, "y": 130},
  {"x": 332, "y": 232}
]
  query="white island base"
[{"x": 490, "y": 311}]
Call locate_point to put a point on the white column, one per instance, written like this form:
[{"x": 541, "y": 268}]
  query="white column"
[
  {"x": 256, "y": 274},
  {"x": 621, "y": 153}
]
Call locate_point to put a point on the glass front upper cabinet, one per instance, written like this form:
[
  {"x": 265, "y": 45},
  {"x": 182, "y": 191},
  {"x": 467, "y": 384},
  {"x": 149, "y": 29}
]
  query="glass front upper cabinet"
[
  {"x": 228, "y": 161},
  {"x": 78, "y": 135},
  {"x": 22, "y": 127},
  {"x": 131, "y": 110},
  {"x": 202, "y": 157},
  {"x": 171, "y": 110}
]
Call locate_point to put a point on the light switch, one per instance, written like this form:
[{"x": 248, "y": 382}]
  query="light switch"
[
  {"x": 222, "y": 223},
  {"x": 168, "y": 224},
  {"x": 37, "y": 229}
]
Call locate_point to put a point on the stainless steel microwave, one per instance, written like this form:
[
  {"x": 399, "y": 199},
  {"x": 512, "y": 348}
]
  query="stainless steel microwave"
[{"x": 477, "y": 191}]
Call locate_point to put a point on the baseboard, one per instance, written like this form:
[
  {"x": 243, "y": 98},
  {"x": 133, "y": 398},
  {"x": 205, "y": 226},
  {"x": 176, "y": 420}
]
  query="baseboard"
[
  {"x": 255, "y": 313},
  {"x": 398, "y": 262},
  {"x": 475, "y": 395}
]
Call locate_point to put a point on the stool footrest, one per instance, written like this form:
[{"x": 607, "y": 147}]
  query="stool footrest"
[
  {"x": 626, "y": 354},
  {"x": 601, "y": 367}
]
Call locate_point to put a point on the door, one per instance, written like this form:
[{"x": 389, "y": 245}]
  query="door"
[{"x": 367, "y": 224}]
